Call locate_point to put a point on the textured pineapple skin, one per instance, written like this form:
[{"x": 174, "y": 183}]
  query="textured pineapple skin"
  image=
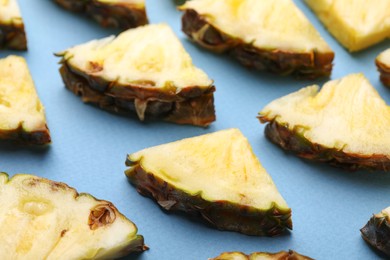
[
  {"x": 119, "y": 15},
  {"x": 384, "y": 71},
  {"x": 293, "y": 141},
  {"x": 20, "y": 135},
  {"x": 301, "y": 65},
  {"x": 223, "y": 215},
  {"x": 13, "y": 36},
  {"x": 377, "y": 233},
  {"x": 193, "y": 106},
  {"x": 282, "y": 255}
]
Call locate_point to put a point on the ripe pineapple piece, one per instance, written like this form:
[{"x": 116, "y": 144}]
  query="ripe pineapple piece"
[
  {"x": 43, "y": 219},
  {"x": 258, "y": 34},
  {"x": 377, "y": 231},
  {"x": 216, "y": 176},
  {"x": 383, "y": 64},
  {"x": 22, "y": 115},
  {"x": 115, "y": 13},
  {"x": 345, "y": 124},
  {"x": 12, "y": 34},
  {"x": 144, "y": 70},
  {"x": 356, "y": 24},
  {"x": 283, "y": 255}
]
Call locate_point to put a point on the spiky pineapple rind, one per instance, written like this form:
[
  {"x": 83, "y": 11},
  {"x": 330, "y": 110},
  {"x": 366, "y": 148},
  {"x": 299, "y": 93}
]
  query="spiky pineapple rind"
[
  {"x": 224, "y": 215},
  {"x": 13, "y": 36},
  {"x": 377, "y": 233},
  {"x": 308, "y": 65},
  {"x": 24, "y": 136},
  {"x": 384, "y": 70},
  {"x": 290, "y": 255},
  {"x": 121, "y": 15}
]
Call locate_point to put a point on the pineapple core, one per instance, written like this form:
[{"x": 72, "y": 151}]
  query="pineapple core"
[{"x": 10, "y": 13}]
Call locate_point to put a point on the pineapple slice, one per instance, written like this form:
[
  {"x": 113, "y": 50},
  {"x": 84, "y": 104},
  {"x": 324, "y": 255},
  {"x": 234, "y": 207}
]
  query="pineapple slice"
[
  {"x": 258, "y": 34},
  {"x": 345, "y": 124},
  {"x": 144, "y": 70},
  {"x": 377, "y": 231},
  {"x": 216, "y": 176},
  {"x": 383, "y": 64},
  {"x": 124, "y": 14},
  {"x": 22, "y": 114},
  {"x": 43, "y": 219},
  {"x": 283, "y": 255},
  {"x": 12, "y": 34},
  {"x": 356, "y": 24}
]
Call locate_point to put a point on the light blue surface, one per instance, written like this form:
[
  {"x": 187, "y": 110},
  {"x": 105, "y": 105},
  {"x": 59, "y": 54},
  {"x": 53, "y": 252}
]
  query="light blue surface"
[{"x": 90, "y": 146}]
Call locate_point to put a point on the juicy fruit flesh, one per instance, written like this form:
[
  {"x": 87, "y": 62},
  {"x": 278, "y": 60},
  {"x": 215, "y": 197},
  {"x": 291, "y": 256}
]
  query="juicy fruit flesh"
[
  {"x": 217, "y": 170},
  {"x": 41, "y": 219},
  {"x": 19, "y": 102},
  {"x": 150, "y": 53},
  {"x": 384, "y": 58},
  {"x": 262, "y": 23},
  {"x": 9, "y": 12},
  {"x": 347, "y": 114}
]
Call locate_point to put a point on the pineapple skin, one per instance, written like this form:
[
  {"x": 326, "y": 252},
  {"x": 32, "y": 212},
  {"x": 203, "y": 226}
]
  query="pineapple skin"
[
  {"x": 13, "y": 36},
  {"x": 193, "y": 105},
  {"x": 282, "y": 255},
  {"x": 291, "y": 140},
  {"x": 384, "y": 71},
  {"x": 120, "y": 15},
  {"x": 377, "y": 233},
  {"x": 301, "y": 65},
  {"x": 223, "y": 215},
  {"x": 37, "y": 137}
]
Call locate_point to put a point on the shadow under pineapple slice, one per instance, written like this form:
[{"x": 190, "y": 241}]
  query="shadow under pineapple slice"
[
  {"x": 215, "y": 176},
  {"x": 22, "y": 116},
  {"x": 43, "y": 219},
  {"x": 258, "y": 34},
  {"x": 114, "y": 13},
  {"x": 282, "y": 255},
  {"x": 356, "y": 24},
  {"x": 346, "y": 124},
  {"x": 383, "y": 64},
  {"x": 12, "y": 34},
  {"x": 144, "y": 71}
]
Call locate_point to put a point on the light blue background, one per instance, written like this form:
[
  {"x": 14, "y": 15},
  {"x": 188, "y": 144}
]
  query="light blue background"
[{"x": 90, "y": 146}]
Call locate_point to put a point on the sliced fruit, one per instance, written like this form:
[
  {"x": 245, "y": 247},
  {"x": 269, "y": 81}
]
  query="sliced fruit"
[
  {"x": 383, "y": 64},
  {"x": 114, "y": 13},
  {"x": 258, "y": 34},
  {"x": 43, "y": 219},
  {"x": 283, "y": 255},
  {"x": 215, "y": 176},
  {"x": 345, "y": 124},
  {"x": 356, "y": 24},
  {"x": 22, "y": 115},
  {"x": 12, "y": 34},
  {"x": 377, "y": 231},
  {"x": 144, "y": 71}
]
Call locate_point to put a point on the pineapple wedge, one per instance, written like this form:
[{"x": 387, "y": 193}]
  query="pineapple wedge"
[
  {"x": 377, "y": 231},
  {"x": 144, "y": 71},
  {"x": 258, "y": 34},
  {"x": 345, "y": 124},
  {"x": 356, "y": 24},
  {"x": 216, "y": 176},
  {"x": 124, "y": 14},
  {"x": 12, "y": 33},
  {"x": 22, "y": 115},
  {"x": 383, "y": 64},
  {"x": 283, "y": 255},
  {"x": 43, "y": 219}
]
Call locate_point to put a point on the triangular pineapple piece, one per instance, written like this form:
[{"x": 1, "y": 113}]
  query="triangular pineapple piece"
[
  {"x": 259, "y": 35},
  {"x": 22, "y": 114},
  {"x": 383, "y": 64},
  {"x": 12, "y": 31},
  {"x": 356, "y": 24},
  {"x": 43, "y": 219},
  {"x": 345, "y": 124},
  {"x": 144, "y": 70},
  {"x": 114, "y": 13},
  {"x": 282, "y": 255},
  {"x": 216, "y": 176}
]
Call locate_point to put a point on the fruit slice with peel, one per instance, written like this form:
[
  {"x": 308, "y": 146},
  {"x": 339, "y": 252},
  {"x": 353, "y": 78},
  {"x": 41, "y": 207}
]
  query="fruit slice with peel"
[
  {"x": 258, "y": 35},
  {"x": 12, "y": 33},
  {"x": 144, "y": 71},
  {"x": 356, "y": 24},
  {"x": 383, "y": 64},
  {"x": 282, "y": 255},
  {"x": 216, "y": 176},
  {"x": 345, "y": 124},
  {"x": 43, "y": 219},
  {"x": 22, "y": 116},
  {"x": 114, "y": 13}
]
